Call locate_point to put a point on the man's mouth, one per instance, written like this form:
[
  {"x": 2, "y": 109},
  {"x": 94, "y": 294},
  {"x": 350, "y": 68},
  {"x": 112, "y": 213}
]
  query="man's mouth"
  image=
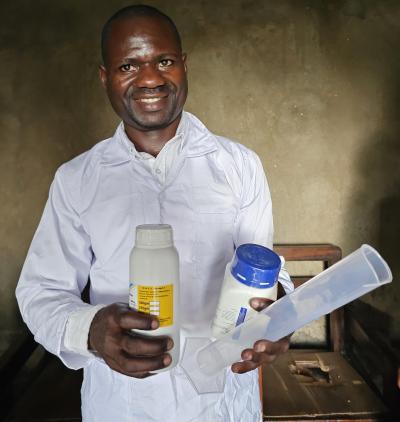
[{"x": 149, "y": 100}]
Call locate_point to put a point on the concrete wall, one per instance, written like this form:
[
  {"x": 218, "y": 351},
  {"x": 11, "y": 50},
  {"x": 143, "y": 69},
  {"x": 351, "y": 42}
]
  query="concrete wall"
[{"x": 312, "y": 86}]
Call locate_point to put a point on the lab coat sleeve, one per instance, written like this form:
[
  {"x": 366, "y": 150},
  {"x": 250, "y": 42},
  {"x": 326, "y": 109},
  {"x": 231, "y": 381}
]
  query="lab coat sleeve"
[
  {"x": 254, "y": 222},
  {"x": 54, "y": 274}
]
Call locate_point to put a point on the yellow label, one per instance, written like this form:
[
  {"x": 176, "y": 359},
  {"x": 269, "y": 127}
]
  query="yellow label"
[{"x": 154, "y": 300}]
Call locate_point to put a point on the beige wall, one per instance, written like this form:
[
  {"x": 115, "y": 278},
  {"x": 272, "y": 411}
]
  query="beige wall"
[{"x": 312, "y": 86}]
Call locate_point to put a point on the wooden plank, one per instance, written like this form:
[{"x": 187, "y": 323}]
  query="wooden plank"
[
  {"x": 336, "y": 330},
  {"x": 288, "y": 395},
  {"x": 332, "y": 418},
  {"x": 376, "y": 359},
  {"x": 313, "y": 252},
  {"x": 298, "y": 280}
]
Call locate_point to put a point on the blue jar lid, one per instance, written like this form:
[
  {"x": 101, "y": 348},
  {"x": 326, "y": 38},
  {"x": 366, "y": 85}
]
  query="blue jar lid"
[{"x": 256, "y": 266}]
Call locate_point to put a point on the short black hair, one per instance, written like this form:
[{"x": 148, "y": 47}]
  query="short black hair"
[{"x": 133, "y": 11}]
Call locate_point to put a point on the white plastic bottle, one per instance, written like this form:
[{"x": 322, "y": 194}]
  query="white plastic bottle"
[
  {"x": 154, "y": 281},
  {"x": 253, "y": 272}
]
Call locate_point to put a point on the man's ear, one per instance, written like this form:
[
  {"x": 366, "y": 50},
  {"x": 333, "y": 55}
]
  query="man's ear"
[
  {"x": 103, "y": 75},
  {"x": 184, "y": 56}
]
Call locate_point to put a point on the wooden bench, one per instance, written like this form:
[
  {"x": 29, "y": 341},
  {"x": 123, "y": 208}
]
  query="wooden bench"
[
  {"x": 301, "y": 385},
  {"x": 322, "y": 384}
]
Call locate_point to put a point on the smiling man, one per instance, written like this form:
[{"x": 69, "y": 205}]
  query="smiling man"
[
  {"x": 144, "y": 73},
  {"x": 161, "y": 166}
]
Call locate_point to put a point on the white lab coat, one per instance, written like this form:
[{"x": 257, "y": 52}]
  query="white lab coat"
[{"x": 215, "y": 197}]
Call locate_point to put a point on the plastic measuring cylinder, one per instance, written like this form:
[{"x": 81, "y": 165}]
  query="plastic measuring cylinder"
[{"x": 357, "y": 274}]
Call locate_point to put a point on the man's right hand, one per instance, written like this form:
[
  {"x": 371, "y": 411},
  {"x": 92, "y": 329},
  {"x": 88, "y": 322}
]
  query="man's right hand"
[{"x": 125, "y": 351}]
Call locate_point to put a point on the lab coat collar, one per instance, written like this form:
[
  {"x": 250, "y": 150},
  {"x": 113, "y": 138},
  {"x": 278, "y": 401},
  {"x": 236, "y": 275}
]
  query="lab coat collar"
[{"x": 197, "y": 141}]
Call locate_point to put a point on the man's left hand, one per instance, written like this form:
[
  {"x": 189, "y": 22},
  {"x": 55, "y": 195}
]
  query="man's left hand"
[{"x": 263, "y": 351}]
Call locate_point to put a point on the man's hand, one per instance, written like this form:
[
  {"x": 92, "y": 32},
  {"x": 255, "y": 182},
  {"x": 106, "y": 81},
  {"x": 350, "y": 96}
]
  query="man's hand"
[
  {"x": 127, "y": 352},
  {"x": 263, "y": 351}
]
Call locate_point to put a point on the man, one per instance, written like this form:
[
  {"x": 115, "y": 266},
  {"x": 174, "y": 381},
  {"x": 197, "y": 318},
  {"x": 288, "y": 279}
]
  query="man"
[{"x": 161, "y": 166}]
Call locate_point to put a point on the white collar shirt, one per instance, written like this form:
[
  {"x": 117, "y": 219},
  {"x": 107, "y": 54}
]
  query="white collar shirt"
[{"x": 159, "y": 166}]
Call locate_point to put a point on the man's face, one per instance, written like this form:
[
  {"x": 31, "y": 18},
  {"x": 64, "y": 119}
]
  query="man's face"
[{"x": 144, "y": 73}]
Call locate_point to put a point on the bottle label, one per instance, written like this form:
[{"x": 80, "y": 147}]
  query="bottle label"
[
  {"x": 241, "y": 317},
  {"x": 154, "y": 300}
]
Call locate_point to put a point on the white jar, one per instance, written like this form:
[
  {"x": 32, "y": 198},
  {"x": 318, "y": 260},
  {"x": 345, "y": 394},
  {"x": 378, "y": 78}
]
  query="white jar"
[
  {"x": 253, "y": 272},
  {"x": 154, "y": 282}
]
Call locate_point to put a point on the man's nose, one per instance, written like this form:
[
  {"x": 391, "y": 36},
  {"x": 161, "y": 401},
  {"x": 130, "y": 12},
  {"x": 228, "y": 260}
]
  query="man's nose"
[{"x": 149, "y": 76}]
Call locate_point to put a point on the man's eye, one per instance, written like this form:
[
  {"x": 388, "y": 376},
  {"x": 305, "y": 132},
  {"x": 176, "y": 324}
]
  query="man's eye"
[
  {"x": 126, "y": 68},
  {"x": 166, "y": 63}
]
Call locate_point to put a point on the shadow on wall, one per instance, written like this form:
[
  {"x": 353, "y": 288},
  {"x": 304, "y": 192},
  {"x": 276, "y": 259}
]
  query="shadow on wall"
[
  {"x": 361, "y": 39},
  {"x": 376, "y": 319},
  {"x": 377, "y": 197}
]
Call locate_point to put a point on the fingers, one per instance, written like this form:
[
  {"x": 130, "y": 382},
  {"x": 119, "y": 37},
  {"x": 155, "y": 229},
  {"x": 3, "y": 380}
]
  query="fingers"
[
  {"x": 251, "y": 360},
  {"x": 272, "y": 347},
  {"x": 135, "y": 344},
  {"x": 129, "y": 319},
  {"x": 259, "y": 303},
  {"x": 138, "y": 367},
  {"x": 126, "y": 351},
  {"x": 242, "y": 367},
  {"x": 112, "y": 321},
  {"x": 264, "y": 352}
]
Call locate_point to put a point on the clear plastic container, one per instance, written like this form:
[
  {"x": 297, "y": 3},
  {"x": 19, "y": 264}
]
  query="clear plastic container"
[
  {"x": 154, "y": 282},
  {"x": 357, "y": 274}
]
